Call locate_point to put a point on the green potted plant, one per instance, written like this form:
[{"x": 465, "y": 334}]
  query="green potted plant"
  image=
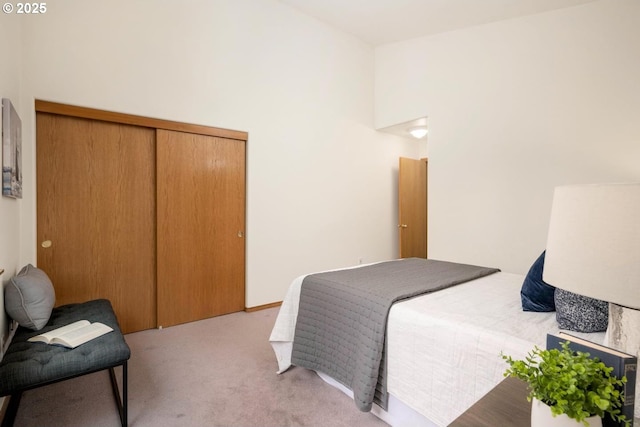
[{"x": 568, "y": 388}]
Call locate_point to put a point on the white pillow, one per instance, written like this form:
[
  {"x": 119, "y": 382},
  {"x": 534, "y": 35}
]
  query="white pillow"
[{"x": 29, "y": 298}]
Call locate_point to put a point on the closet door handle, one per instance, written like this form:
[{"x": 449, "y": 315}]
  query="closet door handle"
[{"x": 46, "y": 244}]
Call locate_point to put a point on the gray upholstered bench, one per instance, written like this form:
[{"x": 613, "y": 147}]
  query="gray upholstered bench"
[{"x": 29, "y": 365}]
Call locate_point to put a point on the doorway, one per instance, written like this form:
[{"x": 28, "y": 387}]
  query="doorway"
[{"x": 412, "y": 207}]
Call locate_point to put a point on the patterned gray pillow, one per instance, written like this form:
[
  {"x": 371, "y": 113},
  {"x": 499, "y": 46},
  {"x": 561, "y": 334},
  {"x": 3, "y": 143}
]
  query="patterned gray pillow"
[
  {"x": 29, "y": 298},
  {"x": 579, "y": 313}
]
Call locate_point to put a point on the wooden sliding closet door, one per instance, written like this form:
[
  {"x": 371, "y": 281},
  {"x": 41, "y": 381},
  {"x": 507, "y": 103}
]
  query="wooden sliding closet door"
[
  {"x": 96, "y": 214},
  {"x": 201, "y": 223}
]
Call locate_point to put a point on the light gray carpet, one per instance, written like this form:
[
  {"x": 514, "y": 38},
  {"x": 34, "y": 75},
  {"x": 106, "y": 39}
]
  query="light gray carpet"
[{"x": 214, "y": 372}]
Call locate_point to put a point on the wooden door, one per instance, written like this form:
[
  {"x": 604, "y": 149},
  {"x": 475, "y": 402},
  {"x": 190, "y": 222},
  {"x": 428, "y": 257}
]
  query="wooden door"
[
  {"x": 412, "y": 207},
  {"x": 96, "y": 214},
  {"x": 201, "y": 224}
]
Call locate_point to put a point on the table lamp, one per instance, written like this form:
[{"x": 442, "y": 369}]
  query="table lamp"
[{"x": 593, "y": 249}]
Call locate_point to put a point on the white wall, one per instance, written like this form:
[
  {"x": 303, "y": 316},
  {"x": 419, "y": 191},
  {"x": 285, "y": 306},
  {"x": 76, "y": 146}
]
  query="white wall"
[
  {"x": 321, "y": 181},
  {"x": 11, "y": 245},
  {"x": 516, "y": 108}
]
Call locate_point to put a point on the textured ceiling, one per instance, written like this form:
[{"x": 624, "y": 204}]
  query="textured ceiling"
[{"x": 378, "y": 22}]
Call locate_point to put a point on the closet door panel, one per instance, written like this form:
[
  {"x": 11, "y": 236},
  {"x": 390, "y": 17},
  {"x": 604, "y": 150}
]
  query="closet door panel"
[
  {"x": 96, "y": 214},
  {"x": 200, "y": 226}
]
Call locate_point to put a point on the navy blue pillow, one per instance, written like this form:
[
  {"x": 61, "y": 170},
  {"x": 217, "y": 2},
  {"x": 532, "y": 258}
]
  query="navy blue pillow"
[{"x": 536, "y": 294}]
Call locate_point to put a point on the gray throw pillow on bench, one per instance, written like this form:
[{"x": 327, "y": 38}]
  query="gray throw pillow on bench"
[{"x": 29, "y": 298}]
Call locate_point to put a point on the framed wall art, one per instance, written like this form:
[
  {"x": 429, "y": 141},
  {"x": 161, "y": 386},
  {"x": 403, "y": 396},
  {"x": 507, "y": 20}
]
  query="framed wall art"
[{"x": 11, "y": 151}]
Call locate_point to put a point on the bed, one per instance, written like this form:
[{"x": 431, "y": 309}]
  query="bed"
[{"x": 443, "y": 347}]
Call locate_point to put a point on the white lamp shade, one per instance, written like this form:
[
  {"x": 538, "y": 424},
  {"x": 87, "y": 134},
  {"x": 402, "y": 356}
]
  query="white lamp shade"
[{"x": 593, "y": 246}]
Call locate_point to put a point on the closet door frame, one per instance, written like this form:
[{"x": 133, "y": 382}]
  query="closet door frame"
[{"x": 130, "y": 119}]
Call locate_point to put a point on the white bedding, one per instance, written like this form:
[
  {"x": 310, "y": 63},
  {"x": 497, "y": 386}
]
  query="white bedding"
[{"x": 444, "y": 347}]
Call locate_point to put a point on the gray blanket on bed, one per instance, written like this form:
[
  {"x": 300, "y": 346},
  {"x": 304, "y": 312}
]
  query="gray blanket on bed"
[{"x": 342, "y": 318}]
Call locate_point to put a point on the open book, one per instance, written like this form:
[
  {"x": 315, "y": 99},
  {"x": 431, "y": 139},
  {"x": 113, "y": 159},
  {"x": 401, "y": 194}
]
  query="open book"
[{"x": 74, "y": 334}]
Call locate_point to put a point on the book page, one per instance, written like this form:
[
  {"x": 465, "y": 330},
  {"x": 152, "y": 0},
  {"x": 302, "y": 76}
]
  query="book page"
[
  {"x": 593, "y": 344},
  {"x": 79, "y": 336},
  {"x": 48, "y": 336}
]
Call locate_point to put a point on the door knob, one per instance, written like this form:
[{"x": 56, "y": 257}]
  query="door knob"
[
  {"x": 46, "y": 244},
  {"x": 402, "y": 225}
]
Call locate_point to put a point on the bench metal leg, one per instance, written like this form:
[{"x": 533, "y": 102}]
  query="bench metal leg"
[
  {"x": 12, "y": 409},
  {"x": 121, "y": 403},
  {"x": 14, "y": 399}
]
